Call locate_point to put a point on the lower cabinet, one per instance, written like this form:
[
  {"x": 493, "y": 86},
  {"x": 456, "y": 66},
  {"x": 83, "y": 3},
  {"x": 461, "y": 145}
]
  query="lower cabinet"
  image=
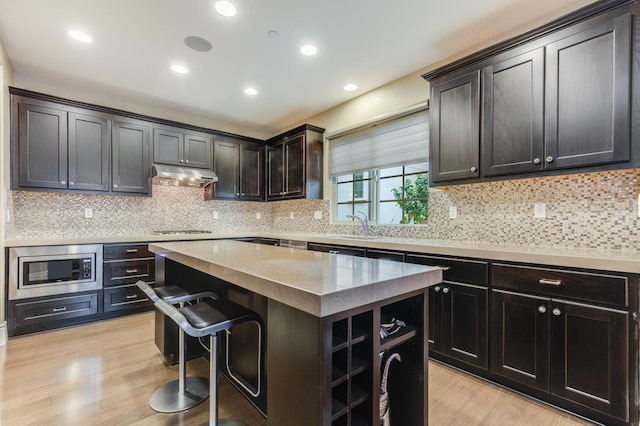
[
  {"x": 52, "y": 311},
  {"x": 124, "y": 265},
  {"x": 568, "y": 349}
]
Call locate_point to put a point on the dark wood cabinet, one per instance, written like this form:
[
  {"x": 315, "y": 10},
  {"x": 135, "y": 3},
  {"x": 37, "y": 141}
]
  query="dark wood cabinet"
[
  {"x": 455, "y": 129},
  {"x": 555, "y": 100},
  {"x": 60, "y": 149},
  {"x": 131, "y": 165},
  {"x": 294, "y": 164},
  {"x": 588, "y": 82},
  {"x": 123, "y": 266},
  {"x": 458, "y": 309},
  {"x": 512, "y": 113},
  {"x": 176, "y": 147},
  {"x": 240, "y": 170},
  {"x": 574, "y": 350},
  {"x": 89, "y": 143}
]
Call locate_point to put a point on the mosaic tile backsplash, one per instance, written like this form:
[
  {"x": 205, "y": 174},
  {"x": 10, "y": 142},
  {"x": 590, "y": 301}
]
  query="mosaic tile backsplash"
[{"x": 593, "y": 210}]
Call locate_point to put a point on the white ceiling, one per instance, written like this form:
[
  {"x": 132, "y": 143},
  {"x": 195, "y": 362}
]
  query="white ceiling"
[{"x": 367, "y": 42}]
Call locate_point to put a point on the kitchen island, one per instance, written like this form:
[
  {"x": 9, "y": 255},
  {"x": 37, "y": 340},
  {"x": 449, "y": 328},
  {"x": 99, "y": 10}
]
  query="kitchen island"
[{"x": 322, "y": 314}]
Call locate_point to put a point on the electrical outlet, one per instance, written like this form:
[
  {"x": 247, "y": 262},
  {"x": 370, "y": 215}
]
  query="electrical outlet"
[
  {"x": 453, "y": 212},
  {"x": 540, "y": 210},
  {"x": 290, "y": 215},
  {"x": 9, "y": 213},
  {"x": 258, "y": 216},
  {"x": 88, "y": 212},
  {"x": 215, "y": 215},
  {"x": 317, "y": 214}
]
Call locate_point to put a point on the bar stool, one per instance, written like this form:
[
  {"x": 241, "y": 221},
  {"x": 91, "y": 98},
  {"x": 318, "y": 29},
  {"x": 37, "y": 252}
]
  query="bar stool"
[
  {"x": 207, "y": 319},
  {"x": 184, "y": 392}
]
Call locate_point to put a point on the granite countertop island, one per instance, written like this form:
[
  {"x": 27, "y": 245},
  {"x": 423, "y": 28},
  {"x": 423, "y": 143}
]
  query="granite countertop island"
[
  {"x": 317, "y": 283},
  {"x": 322, "y": 316}
]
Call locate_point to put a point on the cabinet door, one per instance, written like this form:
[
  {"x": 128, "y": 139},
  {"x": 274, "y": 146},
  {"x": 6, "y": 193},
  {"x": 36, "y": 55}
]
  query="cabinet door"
[
  {"x": 587, "y": 97},
  {"x": 589, "y": 357},
  {"x": 251, "y": 172},
  {"x": 89, "y": 142},
  {"x": 226, "y": 164},
  {"x": 464, "y": 331},
  {"x": 455, "y": 129},
  {"x": 513, "y": 109},
  {"x": 168, "y": 147},
  {"x": 275, "y": 172},
  {"x": 294, "y": 159},
  {"x": 520, "y": 338},
  {"x": 130, "y": 157},
  {"x": 197, "y": 151},
  {"x": 42, "y": 147}
]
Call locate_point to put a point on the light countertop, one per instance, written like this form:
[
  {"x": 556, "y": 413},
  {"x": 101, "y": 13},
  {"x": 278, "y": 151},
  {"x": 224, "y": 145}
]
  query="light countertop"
[
  {"x": 604, "y": 260},
  {"x": 317, "y": 283}
]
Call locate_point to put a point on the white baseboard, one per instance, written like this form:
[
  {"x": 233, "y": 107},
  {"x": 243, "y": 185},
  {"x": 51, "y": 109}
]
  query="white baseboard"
[{"x": 3, "y": 334}]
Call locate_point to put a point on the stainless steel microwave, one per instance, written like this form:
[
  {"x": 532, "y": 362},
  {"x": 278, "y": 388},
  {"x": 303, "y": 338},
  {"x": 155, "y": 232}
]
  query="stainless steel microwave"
[{"x": 48, "y": 270}]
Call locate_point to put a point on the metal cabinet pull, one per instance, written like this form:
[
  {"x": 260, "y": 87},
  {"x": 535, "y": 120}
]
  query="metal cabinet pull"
[
  {"x": 115, "y": 186},
  {"x": 542, "y": 309},
  {"x": 63, "y": 182},
  {"x": 549, "y": 159},
  {"x": 182, "y": 161},
  {"x": 71, "y": 183},
  {"x": 436, "y": 288},
  {"x": 473, "y": 169},
  {"x": 334, "y": 251},
  {"x": 62, "y": 309},
  {"x": 445, "y": 290},
  {"x": 187, "y": 161},
  {"x": 132, "y": 250},
  {"x": 444, "y": 268},
  {"x": 536, "y": 161},
  {"x": 550, "y": 282},
  {"x": 237, "y": 194},
  {"x": 132, "y": 296},
  {"x": 556, "y": 312},
  {"x": 131, "y": 271}
]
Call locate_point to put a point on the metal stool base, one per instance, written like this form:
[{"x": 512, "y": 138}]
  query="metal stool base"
[{"x": 168, "y": 399}]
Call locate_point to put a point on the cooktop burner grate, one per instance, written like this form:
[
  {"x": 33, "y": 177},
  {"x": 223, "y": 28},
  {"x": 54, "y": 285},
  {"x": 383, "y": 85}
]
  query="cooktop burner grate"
[{"x": 180, "y": 231}]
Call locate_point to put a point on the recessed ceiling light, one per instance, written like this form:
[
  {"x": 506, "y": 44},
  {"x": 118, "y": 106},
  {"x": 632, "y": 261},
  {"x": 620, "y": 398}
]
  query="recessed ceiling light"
[
  {"x": 180, "y": 69},
  {"x": 250, "y": 91},
  {"x": 308, "y": 50},
  {"x": 198, "y": 44},
  {"x": 80, "y": 36},
  {"x": 273, "y": 34},
  {"x": 350, "y": 87},
  {"x": 225, "y": 8}
]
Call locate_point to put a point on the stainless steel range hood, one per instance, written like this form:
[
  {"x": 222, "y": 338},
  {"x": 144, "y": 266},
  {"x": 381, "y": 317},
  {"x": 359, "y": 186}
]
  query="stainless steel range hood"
[{"x": 163, "y": 174}]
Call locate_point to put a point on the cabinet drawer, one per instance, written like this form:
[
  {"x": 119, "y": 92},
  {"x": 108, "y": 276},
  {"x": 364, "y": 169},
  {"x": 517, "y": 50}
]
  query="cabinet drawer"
[
  {"x": 128, "y": 272},
  {"x": 386, "y": 255},
  {"x": 457, "y": 270},
  {"x": 119, "y": 251},
  {"x": 349, "y": 251},
  {"x": 126, "y": 297},
  {"x": 55, "y": 309},
  {"x": 588, "y": 286}
]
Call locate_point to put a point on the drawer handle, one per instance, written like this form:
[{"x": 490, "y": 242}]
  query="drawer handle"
[
  {"x": 131, "y": 271},
  {"x": 334, "y": 251},
  {"x": 546, "y": 281},
  {"x": 132, "y": 296},
  {"x": 132, "y": 250},
  {"x": 444, "y": 268},
  {"x": 62, "y": 309}
]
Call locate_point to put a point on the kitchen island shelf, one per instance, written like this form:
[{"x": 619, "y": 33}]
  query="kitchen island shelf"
[{"x": 404, "y": 334}]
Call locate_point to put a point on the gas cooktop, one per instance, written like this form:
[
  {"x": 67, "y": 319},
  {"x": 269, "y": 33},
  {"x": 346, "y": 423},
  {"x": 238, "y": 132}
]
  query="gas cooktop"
[{"x": 180, "y": 231}]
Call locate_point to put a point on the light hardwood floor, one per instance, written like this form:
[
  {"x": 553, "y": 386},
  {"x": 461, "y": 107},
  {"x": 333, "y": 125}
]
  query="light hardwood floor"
[{"x": 104, "y": 373}]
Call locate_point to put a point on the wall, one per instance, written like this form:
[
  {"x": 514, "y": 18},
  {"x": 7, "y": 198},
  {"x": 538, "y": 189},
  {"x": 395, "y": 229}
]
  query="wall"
[{"x": 6, "y": 79}]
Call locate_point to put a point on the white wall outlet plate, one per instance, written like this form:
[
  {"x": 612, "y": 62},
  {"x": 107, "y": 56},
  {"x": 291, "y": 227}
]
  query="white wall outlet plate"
[
  {"x": 453, "y": 212},
  {"x": 88, "y": 212},
  {"x": 215, "y": 215},
  {"x": 290, "y": 215},
  {"x": 258, "y": 216},
  {"x": 317, "y": 214},
  {"x": 540, "y": 210}
]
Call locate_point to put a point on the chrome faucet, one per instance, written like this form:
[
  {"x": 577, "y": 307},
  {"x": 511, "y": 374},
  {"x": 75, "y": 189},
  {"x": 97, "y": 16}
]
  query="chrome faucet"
[{"x": 363, "y": 221}]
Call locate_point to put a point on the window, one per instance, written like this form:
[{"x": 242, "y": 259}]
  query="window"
[
  {"x": 395, "y": 195},
  {"x": 381, "y": 169}
]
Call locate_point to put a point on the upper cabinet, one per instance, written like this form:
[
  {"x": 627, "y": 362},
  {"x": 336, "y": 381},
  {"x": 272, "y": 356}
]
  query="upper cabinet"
[
  {"x": 177, "y": 147},
  {"x": 55, "y": 148},
  {"x": 555, "y": 100},
  {"x": 240, "y": 169},
  {"x": 294, "y": 164},
  {"x": 131, "y": 162}
]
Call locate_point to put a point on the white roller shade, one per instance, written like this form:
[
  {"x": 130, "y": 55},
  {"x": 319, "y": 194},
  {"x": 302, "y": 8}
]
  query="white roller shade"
[{"x": 394, "y": 142}]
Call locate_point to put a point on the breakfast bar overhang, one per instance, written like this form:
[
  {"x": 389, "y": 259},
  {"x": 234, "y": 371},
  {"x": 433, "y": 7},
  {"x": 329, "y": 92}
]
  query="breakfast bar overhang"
[{"x": 322, "y": 312}]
